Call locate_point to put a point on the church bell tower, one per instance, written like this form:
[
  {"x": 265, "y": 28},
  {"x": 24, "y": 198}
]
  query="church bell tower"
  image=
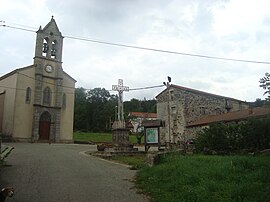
[
  {"x": 49, "y": 43},
  {"x": 48, "y": 83}
]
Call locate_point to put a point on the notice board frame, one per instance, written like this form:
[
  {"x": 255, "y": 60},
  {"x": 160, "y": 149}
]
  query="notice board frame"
[{"x": 151, "y": 137}]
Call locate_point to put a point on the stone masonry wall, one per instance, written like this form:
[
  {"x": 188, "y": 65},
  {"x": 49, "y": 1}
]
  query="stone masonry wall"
[{"x": 187, "y": 106}]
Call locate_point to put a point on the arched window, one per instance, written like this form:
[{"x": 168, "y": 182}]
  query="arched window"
[
  {"x": 47, "y": 96},
  {"x": 28, "y": 95},
  {"x": 64, "y": 101},
  {"x": 53, "y": 50},
  {"x": 45, "y": 47}
]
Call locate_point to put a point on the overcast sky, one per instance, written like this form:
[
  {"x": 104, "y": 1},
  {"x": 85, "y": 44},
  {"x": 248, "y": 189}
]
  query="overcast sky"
[{"x": 238, "y": 29}]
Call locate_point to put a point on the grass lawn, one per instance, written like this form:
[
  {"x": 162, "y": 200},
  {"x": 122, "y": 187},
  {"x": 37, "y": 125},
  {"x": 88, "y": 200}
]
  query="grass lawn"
[
  {"x": 92, "y": 137},
  {"x": 197, "y": 177},
  {"x": 98, "y": 137},
  {"x": 207, "y": 178},
  {"x": 136, "y": 161}
]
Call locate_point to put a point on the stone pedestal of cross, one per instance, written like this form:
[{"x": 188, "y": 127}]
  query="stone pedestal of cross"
[{"x": 120, "y": 115}]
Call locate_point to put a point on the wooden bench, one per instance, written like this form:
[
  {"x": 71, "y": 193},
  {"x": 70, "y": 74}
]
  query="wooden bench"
[{"x": 6, "y": 152}]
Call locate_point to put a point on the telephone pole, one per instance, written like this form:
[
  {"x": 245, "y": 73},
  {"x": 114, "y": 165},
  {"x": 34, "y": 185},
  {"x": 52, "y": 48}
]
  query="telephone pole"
[{"x": 168, "y": 84}]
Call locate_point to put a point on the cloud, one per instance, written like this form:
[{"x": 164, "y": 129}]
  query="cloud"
[{"x": 216, "y": 28}]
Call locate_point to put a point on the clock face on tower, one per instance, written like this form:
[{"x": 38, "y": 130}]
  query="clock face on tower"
[{"x": 48, "y": 68}]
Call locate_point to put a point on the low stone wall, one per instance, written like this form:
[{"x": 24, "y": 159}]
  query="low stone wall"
[{"x": 153, "y": 158}]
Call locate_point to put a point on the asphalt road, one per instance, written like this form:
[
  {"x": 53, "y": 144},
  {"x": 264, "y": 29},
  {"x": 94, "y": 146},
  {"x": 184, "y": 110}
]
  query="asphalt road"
[{"x": 63, "y": 173}]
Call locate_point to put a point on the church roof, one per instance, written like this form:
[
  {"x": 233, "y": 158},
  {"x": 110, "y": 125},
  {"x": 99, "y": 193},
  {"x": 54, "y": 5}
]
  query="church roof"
[
  {"x": 27, "y": 67},
  {"x": 15, "y": 71},
  {"x": 69, "y": 76},
  {"x": 198, "y": 92},
  {"x": 232, "y": 116}
]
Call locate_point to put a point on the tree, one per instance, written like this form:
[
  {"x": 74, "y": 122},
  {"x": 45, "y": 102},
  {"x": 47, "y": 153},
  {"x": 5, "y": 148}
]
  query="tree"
[
  {"x": 135, "y": 105},
  {"x": 100, "y": 109},
  {"x": 258, "y": 103},
  {"x": 80, "y": 109},
  {"x": 94, "y": 109},
  {"x": 265, "y": 84},
  {"x": 100, "y": 95}
]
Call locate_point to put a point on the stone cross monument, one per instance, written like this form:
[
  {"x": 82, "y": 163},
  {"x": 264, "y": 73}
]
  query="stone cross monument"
[
  {"x": 120, "y": 134},
  {"x": 120, "y": 115}
]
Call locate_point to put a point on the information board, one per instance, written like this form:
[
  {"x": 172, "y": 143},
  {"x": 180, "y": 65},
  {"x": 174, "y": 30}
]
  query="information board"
[{"x": 151, "y": 135}]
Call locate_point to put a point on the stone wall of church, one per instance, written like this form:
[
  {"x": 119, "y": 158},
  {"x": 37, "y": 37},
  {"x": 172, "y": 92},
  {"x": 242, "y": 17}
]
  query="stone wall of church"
[
  {"x": 67, "y": 112},
  {"x": 8, "y": 84},
  {"x": 23, "y": 110}
]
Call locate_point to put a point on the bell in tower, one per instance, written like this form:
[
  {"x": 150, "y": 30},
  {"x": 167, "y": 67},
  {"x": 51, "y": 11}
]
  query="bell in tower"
[
  {"x": 53, "y": 50},
  {"x": 45, "y": 48},
  {"x": 49, "y": 43}
]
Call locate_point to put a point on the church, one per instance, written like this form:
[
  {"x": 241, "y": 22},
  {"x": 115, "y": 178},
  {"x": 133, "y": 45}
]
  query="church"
[{"x": 37, "y": 101}]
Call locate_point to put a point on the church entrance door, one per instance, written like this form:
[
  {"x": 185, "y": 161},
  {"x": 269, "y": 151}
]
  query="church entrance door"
[{"x": 44, "y": 126}]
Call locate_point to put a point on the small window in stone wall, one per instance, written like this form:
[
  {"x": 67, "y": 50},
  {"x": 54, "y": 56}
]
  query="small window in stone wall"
[
  {"x": 173, "y": 110},
  {"x": 28, "y": 96},
  {"x": 203, "y": 110},
  {"x": 171, "y": 95},
  {"x": 64, "y": 101},
  {"x": 218, "y": 111},
  {"x": 163, "y": 124}
]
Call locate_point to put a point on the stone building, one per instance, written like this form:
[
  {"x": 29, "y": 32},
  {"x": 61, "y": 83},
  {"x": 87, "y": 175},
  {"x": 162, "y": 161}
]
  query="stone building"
[
  {"x": 37, "y": 101},
  {"x": 179, "y": 106},
  {"x": 135, "y": 120}
]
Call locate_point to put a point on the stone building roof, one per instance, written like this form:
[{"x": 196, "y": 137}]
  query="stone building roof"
[
  {"x": 232, "y": 116},
  {"x": 198, "y": 92},
  {"x": 152, "y": 123},
  {"x": 143, "y": 115}
]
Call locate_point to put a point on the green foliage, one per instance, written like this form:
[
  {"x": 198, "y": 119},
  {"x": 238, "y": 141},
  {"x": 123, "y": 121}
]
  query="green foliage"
[
  {"x": 136, "y": 161},
  {"x": 265, "y": 84},
  {"x": 95, "y": 109},
  {"x": 92, "y": 137},
  {"x": 207, "y": 178},
  {"x": 139, "y": 136},
  {"x": 213, "y": 137},
  {"x": 135, "y": 105},
  {"x": 256, "y": 134},
  {"x": 259, "y": 103},
  {"x": 80, "y": 108},
  {"x": 251, "y": 135}
]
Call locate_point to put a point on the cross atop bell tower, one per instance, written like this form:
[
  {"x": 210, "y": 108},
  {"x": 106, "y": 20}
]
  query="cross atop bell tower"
[{"x": 49, "y": 43}]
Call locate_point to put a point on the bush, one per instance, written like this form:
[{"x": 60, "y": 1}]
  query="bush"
[
  {"x": 251, "y": 135},
  {"x": 213, "y": 138},
  {"x": 256, "y": 134}
]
